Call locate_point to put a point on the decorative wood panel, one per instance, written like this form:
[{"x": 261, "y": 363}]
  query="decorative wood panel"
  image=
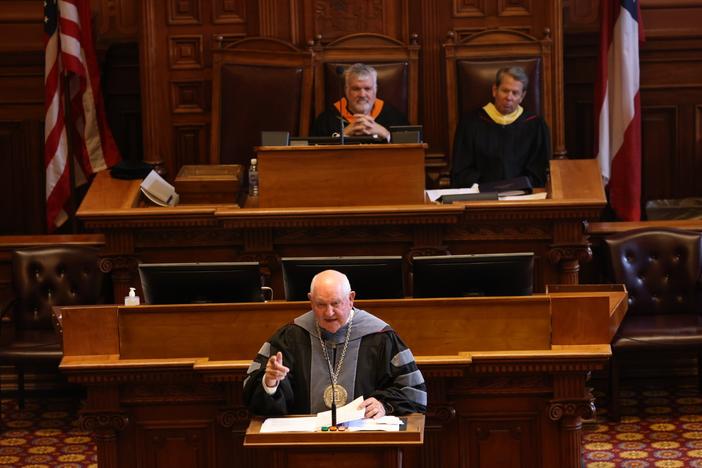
[
  {"x": 115, "y": 20},
  {"x": 181, "y": 12},
  {"x": 228, "y": 11},
  {"x": 659, "y": 142},
  {"x": 469, "y": 8},
  {"x": 188, "y": 96},
  {"x": 22, "y": 194}
]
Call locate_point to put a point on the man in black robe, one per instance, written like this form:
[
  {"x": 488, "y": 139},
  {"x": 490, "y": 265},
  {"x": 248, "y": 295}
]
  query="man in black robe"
[
  {"x": 363, "y": 114},
  {"x": 501, "y": 141},
  {"x": 334, "y": 342}
]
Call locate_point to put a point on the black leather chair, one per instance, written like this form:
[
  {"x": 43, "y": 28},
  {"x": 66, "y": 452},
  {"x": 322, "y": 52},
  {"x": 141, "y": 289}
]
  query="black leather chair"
[
  {"x": 43, "y": 278},
  {"x": 660, "y": 268}
]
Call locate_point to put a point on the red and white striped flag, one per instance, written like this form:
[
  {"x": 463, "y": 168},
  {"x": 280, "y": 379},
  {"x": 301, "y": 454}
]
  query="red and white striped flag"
[
  {"x": 617, "y": 106},
  {"x": 70, "y": 61}
]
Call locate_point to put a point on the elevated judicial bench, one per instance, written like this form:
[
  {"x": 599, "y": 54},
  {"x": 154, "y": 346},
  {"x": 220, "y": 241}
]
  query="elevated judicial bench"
[
  {"x": 506, "y": 376},
  {"x": 552, "y": 228}
]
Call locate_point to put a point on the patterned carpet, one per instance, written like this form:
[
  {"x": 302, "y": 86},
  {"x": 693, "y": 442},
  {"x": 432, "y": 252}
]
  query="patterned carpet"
[
  {"x": 44, "y": 435},
  {"x": 661, "y": 427}
]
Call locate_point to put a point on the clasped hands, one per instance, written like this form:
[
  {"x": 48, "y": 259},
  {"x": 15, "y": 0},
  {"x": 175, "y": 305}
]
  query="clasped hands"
[
  {"x": 277, "y": 372},
  {"x": 365, "y": 125}
]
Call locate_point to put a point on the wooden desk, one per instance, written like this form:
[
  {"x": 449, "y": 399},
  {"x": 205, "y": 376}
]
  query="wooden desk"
[
  {"x": 552, "y": 229},
  {"x": 506, "y": 384},
  {"x": 338, "y": 449},
  {"x": 348, "y": 175}
]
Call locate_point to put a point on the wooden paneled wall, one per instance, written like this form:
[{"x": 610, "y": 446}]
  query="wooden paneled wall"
[{"x": 169, "y": 99}]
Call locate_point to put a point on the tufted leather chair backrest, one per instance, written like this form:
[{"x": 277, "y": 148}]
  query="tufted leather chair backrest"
[
  {"x": 49, "y": 276},
  {"x": 661, "y": 269}
]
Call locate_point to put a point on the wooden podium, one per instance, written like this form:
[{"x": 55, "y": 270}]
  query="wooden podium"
[
  {"x": 506, "y": 376},
  {"x": 340, "y": 175},
  {"x": 367, "y": 449}
]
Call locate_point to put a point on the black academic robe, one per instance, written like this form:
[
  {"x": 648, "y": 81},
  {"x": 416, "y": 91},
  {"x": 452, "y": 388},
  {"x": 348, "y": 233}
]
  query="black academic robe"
[
  {"x": 328, "y": 122},
  {"x": 484, "y": 151},
  {"x": 401, "y": 389}
]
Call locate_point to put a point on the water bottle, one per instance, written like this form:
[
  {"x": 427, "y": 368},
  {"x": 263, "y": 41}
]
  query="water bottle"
[{"x": 253, "y": 178}]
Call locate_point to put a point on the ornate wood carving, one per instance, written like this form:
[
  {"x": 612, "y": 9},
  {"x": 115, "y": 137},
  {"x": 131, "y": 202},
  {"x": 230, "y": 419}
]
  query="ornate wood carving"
[
  {"x": 186, "y": 51},
  {"x": 182, "y": 12},
  {"x": 229, "y": 12},
  {"x": 233, "y": 417},
  {"x": 568, "y": 258},
  {"x": 188, "y": 97},
  {"x": 469, "y": 8}
]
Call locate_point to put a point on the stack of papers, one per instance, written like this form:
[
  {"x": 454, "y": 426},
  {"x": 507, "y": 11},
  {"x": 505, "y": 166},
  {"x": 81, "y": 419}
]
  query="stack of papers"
[{"x": 350, "y": 415}]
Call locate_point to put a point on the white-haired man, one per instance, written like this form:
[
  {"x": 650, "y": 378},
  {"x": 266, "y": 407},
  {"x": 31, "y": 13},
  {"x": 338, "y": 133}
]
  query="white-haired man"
[
  {"x": 334, "y": 346},
  {"x": 360, "y": 109}
]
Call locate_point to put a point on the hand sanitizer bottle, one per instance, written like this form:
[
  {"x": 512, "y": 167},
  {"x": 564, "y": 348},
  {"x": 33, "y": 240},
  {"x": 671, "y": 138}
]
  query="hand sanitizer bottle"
[{"x": 132, "y": 299}]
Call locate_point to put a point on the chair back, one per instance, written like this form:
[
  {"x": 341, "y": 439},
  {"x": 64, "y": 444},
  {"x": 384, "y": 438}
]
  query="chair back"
[
  {"x": 661, "y": 269},
  {"x": 258, "y": 84},
  {"x": 49, "y": 276},
  {"x": 397, "y": 65}
]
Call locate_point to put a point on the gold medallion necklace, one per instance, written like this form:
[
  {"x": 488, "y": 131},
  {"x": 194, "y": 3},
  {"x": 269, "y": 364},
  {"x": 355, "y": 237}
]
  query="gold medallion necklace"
[{"x": 335, "y": 392}]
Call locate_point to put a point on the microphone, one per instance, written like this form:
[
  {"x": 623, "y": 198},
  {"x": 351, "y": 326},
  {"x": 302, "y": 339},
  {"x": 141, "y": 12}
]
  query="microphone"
[
  {"x": 340, "y": 76},
  {"x": 333, "y": 405}
]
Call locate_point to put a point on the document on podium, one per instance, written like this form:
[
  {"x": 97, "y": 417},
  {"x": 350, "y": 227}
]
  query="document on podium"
[{"x": 346, "y": 413}]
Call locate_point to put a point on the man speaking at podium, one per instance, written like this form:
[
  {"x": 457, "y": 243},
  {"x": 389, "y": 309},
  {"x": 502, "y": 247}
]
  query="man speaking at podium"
[
  {"x": 360, "y": 112},
  {"x": 333, "y": 354}
]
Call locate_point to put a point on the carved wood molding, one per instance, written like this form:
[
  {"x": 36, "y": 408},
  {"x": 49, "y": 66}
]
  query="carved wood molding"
[
  {"x": 502, "y": 231},
  {"x": 439, "y": 416},
  {"x": 118, "y": 265},
  {"x": 500, "y": 384},
  {"x": 171, "y": 392},
  {"x": 331, "y": 219},
  {"x": 579, "y": 253},
  {"x": 168, "y": 220},
  {"x": 578, "y": 408},
  {"x": 232, "y": 417},
  {"x": 342, "y": 235},
  {"x": 546, "y": 367},
  {"x": 532, "y": 212},
  {"x": 103, "y": 424},
  {"x": 178, "y": 237},
  {"x": 167, "y": 374}
]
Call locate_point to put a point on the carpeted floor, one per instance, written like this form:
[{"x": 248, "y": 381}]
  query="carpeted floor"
[
  {"x": 661, "y": 427},
  {"x": 44, "y": 435}
]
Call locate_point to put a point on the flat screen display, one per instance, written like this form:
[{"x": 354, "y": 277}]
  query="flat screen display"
[
  {"x": 371, "y": 277},
  {"x": 200, "y": 283},
  {"x": 501, "y": 274}
]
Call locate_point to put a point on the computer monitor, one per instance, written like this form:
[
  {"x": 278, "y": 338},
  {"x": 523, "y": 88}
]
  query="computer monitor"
[
  {"x": 503, "y": 274},
  {"x": 370, "y": 277},
  {"x": 195, "y": 283}
]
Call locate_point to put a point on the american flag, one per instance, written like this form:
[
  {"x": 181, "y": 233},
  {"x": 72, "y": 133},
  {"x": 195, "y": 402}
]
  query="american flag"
[
  {"x": 618, "y": 107},
  {"x": 70, "y": 61}
]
